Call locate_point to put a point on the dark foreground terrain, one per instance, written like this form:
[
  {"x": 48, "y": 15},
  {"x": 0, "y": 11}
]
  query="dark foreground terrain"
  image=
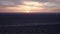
[
  {"x": 36, "y": 29},
  {"x": 18, "y": 23}
]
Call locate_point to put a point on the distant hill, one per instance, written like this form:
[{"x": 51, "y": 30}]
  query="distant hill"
[
  {"x": 29, "y": 19},
  {"x": 20, "y": 23}
]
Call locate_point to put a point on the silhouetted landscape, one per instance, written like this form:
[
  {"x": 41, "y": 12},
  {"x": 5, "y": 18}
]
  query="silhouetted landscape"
[{"x": 34, "y": 23}]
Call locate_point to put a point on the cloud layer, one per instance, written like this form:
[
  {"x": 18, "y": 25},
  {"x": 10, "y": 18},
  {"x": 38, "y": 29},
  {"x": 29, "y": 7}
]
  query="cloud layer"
[{"x": 31, "y": 5}]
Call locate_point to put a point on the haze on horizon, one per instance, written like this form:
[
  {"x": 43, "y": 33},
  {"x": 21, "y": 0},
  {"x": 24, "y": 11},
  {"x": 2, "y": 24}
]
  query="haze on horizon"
[{"x": 29, "y": 6}]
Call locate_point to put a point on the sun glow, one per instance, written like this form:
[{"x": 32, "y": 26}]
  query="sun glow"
[
  {"x": 27, "y": 11},
  {"x": 28, "y": 7}
]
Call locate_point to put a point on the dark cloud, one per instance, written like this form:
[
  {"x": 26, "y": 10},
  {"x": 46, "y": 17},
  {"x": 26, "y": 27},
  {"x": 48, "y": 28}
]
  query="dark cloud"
[{"x": 10, "y": 2}]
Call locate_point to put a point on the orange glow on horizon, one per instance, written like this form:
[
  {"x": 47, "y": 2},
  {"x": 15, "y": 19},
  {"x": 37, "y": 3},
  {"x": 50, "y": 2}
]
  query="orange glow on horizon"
[
  {"x": 27, "y": 11},
  {"x": 31, "y": 11},
  {"x": 30, "y": 7}
]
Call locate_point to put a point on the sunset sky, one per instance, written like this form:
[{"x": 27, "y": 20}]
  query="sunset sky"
[{"x": 29, "y": 6}]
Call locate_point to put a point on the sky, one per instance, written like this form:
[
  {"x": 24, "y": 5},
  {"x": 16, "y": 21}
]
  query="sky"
[{"x": 29, "y": 6}]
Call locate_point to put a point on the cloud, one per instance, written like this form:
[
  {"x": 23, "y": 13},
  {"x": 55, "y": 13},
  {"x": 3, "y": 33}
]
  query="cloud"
[
  {"x": 6, "y": 3},
  {"x": 31, "y": 5},
  {"x": 19, "y": 2},
  {"x": 38, "y": 5},
  {"x": 50, "y": 5},
  {"x": 10, "y": 2}
]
